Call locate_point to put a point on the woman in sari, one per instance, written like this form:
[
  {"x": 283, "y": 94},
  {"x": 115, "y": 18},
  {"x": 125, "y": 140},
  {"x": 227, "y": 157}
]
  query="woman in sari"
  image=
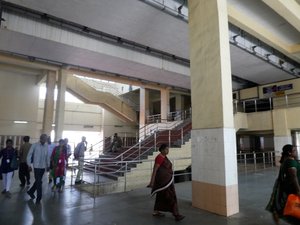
[
  {"x": 287, "y": 183},
  {"x": 58, "y": 164},
  {"x": 162, "y": 184}
]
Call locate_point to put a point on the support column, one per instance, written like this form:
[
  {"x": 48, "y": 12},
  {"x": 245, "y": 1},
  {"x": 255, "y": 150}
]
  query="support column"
[
  {"x": 144, "y": 106},
  {"x": 178, "y": 102},
  {"x": 214, "y": 164},
  {"x": 60, "y": 104},
  {"x": 282, "y": 134},
  {"x": 164, "y": 104},
  {"x": 49, "y": 103}
]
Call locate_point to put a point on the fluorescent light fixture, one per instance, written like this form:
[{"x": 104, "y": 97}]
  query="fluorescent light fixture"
[
  {"x": 20, "y": 121},
  {"x": 53, "y": 125}
]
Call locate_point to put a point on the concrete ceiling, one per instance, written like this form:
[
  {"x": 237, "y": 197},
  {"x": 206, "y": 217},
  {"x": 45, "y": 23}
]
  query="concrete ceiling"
[{"x": 139, "y": 22}]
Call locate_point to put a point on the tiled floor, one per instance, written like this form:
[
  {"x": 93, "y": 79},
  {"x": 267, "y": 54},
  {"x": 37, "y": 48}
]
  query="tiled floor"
[{"x": 73, "y": 207}]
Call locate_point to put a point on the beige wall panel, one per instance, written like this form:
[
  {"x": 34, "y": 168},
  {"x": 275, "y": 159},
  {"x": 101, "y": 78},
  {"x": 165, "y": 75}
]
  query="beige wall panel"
[
  {"x": 240, "y": 121},
  {"x": 293, "y": 118},
  {"x": 112, "y": 124},
  {"x": 248, "y": 93},
  {"x": 78, "y": 115},
  {"x": 280, "y": 124},
  {"x": 260, "y": 121},
  {"x": 19, "y": 101}
]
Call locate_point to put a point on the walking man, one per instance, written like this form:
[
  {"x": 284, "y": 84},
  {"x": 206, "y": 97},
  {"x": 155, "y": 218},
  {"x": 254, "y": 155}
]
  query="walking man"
[
  {"x": 40, "y": 160},
  {"x": 79, "y": 155}
]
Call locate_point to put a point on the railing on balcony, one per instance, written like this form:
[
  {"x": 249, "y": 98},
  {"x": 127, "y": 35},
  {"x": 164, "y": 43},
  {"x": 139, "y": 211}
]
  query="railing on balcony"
[
  {"x": 265, "y": 104},
  {"x": 171, "y": 116}
]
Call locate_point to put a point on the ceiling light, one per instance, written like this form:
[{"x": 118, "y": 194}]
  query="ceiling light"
[{"x": 20, "y": 121}]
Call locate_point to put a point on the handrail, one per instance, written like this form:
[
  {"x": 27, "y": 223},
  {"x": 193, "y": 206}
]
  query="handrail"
[
  {"x": 155, "y": 127},
  {"x": 153, "y": 140},
  {"x": 99, "y": 145},
  {"x": 266, "y": 104},
  {"x": 246, "y": 162},
  {"x": 171, "y": 116}
]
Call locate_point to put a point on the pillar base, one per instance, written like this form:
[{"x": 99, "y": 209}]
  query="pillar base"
[{"x": 215, "y": 198}]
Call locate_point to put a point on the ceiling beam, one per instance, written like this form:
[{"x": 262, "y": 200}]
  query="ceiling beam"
[
  {"x": 287, "y": 9},
  {"x": 255, "y": 28},
  {"x": 29, "y": 63},
  {"x": 118, "y": 79}
]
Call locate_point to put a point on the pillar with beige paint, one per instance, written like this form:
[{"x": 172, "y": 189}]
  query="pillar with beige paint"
[
  {"x": 179, "y": 103},
  {"x": 282, "y": 134},
  {"x": 214, "y": 165},
  {"x": 49, "y": 103},
  {"x": 144, "y": 106},
  {"x": 60, "y": 104},
  {"x": 164, "y": 104}
]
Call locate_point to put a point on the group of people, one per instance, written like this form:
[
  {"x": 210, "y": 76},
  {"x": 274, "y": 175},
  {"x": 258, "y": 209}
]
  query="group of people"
[{"x": 39, "y": 157}]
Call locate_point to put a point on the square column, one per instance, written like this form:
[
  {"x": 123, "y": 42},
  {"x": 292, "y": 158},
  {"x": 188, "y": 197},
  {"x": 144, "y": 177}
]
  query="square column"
[
  {"x": 164, "y": 104},
  {"x": 144, "y": 106},
  {"x": 49, "y": 103},
  {"x": 282, "y": 134},
  {"x": 214, "y": 164},
  {"x": 60, "y": 104}
]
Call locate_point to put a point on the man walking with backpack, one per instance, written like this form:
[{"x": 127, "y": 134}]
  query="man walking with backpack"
[{"x": 79, "y": 155}]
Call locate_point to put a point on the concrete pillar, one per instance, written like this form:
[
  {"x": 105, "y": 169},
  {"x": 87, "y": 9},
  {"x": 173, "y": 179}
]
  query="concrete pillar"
[
  {"x": 164, "y": 104},
  {"x": 282, "y": 134},
  {"x": 214, "y": 164},
  {"x": 144, "y": 106},
  {"x": 178, "y": 102},
  {"x": 49, "y": 103},
  {"x": 60, "y": 104}
]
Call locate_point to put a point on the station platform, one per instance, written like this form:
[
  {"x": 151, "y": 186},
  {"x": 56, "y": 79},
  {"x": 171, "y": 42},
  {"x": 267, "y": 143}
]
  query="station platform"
[{"x": 76, "y": 207}]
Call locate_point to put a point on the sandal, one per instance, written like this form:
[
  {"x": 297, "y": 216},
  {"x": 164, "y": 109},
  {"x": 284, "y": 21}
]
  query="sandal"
[{"x": 158, "y": 214}]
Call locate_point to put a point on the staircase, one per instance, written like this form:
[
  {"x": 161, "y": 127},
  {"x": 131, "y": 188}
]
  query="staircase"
[
  {"x": 116, "y": 165},
  {"x": 106, "y": 100}
]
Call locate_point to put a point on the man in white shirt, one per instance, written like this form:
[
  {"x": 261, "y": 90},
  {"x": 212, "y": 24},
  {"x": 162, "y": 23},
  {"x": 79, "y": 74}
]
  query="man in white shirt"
[{"x": 39, "y": 159}]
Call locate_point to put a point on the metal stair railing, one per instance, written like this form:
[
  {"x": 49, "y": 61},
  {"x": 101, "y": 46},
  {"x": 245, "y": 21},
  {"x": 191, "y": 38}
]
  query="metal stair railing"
[{"x": 171, "y": 116}]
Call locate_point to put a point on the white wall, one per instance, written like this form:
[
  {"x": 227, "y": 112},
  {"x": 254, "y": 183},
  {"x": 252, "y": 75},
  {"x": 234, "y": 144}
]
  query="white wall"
[
  {"x": 18, "y": 101},
  {"x": 112, "y": 124}
]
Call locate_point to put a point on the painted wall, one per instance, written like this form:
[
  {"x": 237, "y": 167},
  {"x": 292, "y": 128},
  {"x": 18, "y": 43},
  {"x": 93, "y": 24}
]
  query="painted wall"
[
  {"x": 19, "y": 101},
  {"x": 257, "y": 92},
  {"x": 112, "y": 124}
]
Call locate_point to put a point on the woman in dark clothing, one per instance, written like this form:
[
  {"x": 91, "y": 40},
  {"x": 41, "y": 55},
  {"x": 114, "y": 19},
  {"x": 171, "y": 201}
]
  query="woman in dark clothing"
[
  {"x": 162, "y": 183},
  {"x": 7, "y": 155},
  {"x": 287, "y": 183}
]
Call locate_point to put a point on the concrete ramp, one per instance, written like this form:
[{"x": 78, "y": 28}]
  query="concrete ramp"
[{"x": 106, "y": 100}]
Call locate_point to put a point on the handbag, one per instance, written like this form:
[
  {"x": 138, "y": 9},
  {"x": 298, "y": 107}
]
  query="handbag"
[
  {"x": 292, "y": 206},
  {"x": 14, "y": 164}
]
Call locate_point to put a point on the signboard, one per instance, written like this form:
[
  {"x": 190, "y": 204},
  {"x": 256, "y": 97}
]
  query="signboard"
[{"x": 275, "y": 90}]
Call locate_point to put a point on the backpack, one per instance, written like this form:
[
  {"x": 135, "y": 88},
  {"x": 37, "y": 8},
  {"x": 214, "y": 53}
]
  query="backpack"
[{"x": 77, "y": 151}]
